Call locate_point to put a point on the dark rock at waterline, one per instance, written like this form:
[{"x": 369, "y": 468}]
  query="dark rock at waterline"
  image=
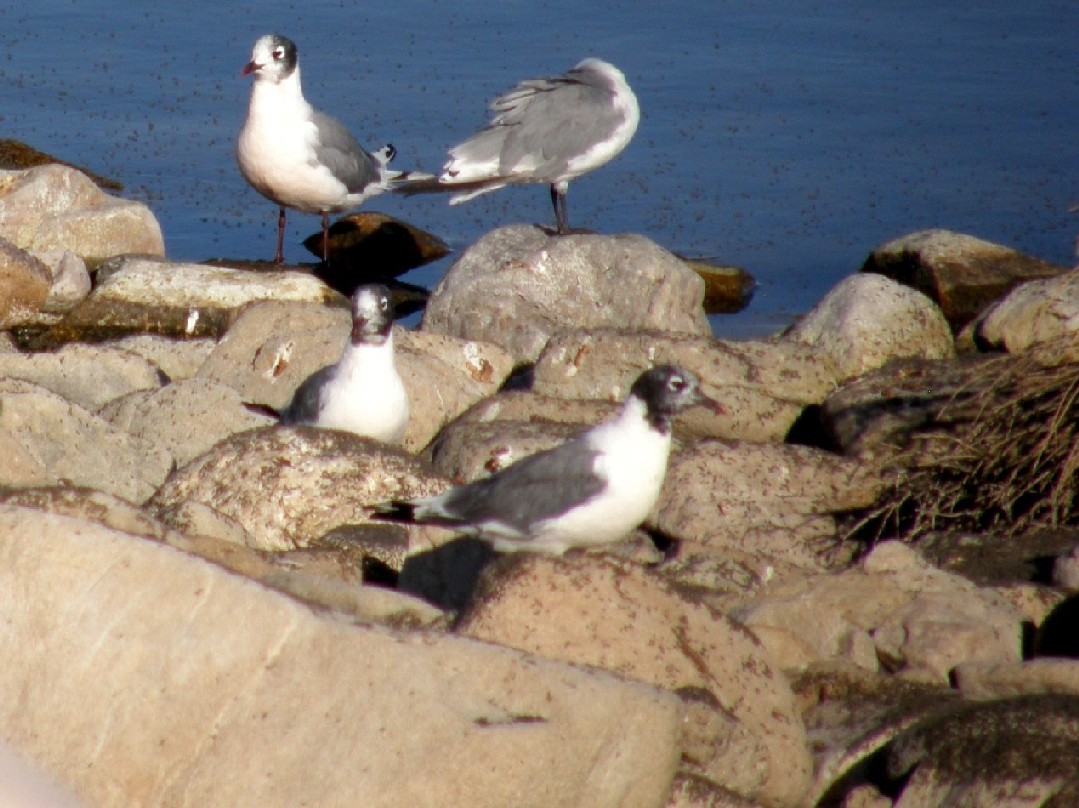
[
  {"x": 15, "y": 155},
  {"x": 372, "y": 247},
  {"x": 727, "y": 290},
  {"x": 963, "y": 274}
]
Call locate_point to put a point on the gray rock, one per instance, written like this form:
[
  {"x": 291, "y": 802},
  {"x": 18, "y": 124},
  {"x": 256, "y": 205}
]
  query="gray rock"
[
  {"x": 187, "y": 417},
  {"x": 287, "y": 487},
  {"x": 70, "y": 280},
  {"x": 75, "y": 446},
  {"x": 90, "y": 376},
  {"x": 868, "y": 320},
  {"x": 468, "y": 450},
  {"x": 138, "y": 295},
  {"x": 24, "y": 285},
  {"x": 516, "y": 287},
  {"x": 1033, "y": 312},
  {"x": 178, "y": 359},
  {"x": 54, "y": 207},
  {"x": 1011, "y": 753},
  {"x": 616, "y": 616},
  {"x": 764, "y": 386},
  {"x": 187, "y": 684},
  {"x": 963, "y": 274}
]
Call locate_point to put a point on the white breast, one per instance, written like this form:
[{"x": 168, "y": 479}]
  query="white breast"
[{"x": 366, "y": 395}]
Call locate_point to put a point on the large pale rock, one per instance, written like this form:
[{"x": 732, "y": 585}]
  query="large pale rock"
[
  {"x": 617, "y": 616},
  {"x": 148, "y": 677},
  {"x": 281, "y": 488},
  {"x": 23, "y": 785},
  {"x": 186, "y": 417},
  {"x": 774, "y": 500},
  {"x": 54, "y": 207},
  {"x": 24, "y": 285},
  {"x": 962, "y": 273},
  {"x": 272, "y": 348},
  {"x": 763, "y": 386},
  {"x": 138, "y": 295},
  {"x": 868, "y": 320},
  {"x": 75, "y": 446},
  {"x": 1046, "y": 675},
  {"x": 90, "y": 376},
  {"x": 467, "y": 450},
  {"x": 1035, "y": 311},
  {"x": 516, "y": 287}
]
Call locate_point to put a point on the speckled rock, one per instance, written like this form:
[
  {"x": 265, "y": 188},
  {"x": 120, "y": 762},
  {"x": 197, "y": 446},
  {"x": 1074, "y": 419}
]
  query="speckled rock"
[
  {"x": 510, "y": 288},
  {"x": 186, "y": 417},
  {"x": 177, "y": 359},
  {"x": 90, "y": 376},
  {"x": 283, "y": 488},
  {"x": 868, "y": 320},
  {"x": 74, "y": 446},
  {"x": 56, "y": 207},
  {"x": 1033, "y": 312},
  {"x": 616, "y": 616},
  {"x": 763, "y": 386},
  {"x": 767, "y": 499},
  {"x": 24, "y": 285}
]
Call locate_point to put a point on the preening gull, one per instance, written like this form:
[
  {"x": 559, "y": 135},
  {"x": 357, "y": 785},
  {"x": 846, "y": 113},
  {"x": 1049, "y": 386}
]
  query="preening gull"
[
  {"x": 548, "y": 130},
  {"x": 362, "y": 392},
  {"x": 592, "y": 489},
  {"x": 296, "y": 156}
]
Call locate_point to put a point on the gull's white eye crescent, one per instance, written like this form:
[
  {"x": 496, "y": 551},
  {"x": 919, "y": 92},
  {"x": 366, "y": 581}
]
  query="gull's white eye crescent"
[{"x": 278, "y": 54}]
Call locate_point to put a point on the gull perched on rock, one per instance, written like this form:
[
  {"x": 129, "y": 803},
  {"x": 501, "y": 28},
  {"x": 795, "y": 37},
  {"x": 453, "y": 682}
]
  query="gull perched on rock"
[
  {"x": 362, "y": 392},
  {"x": 593, "y": 489},
  {"x": 547, "y": 130},
  {"x": 296, "y": 156}
]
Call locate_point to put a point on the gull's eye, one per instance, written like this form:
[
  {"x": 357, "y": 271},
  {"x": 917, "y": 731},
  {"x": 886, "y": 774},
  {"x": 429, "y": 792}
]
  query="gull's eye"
[
  {"x": 383, "y": 303},
  {"x": 278, "y": 54},
  {"x": 678, "y": 384}
]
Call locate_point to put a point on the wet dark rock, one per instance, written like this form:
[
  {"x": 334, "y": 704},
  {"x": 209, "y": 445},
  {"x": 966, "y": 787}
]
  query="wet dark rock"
[
  {"x": 963, "y": 274},
  {"x": 15, "y": 156},
  {"x": 372, "y": 248},
  {"x": 1058, "y": 635},
  {"x": 727, "y": 290}
]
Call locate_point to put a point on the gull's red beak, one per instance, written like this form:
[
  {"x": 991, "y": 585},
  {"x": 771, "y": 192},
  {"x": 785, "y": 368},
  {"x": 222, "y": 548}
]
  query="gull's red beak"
[
  {"x": 711, "y": 403},
  {"x": 249, "y": 68}
]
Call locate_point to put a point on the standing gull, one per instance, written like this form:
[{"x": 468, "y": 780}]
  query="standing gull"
[
  {"x": 296, "y": 156},
  {"x": 362, "y": 392},
  {"x": 549, "y": 130},
  {"x": 590, "y": 490}
]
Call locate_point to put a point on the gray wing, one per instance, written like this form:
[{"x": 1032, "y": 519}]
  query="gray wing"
[
  {"x": 533, "y": 489},
  {"x": 339, "y": 151},
  {"x": 542, "y": 124},
  {"x": 307, "y": 400}
]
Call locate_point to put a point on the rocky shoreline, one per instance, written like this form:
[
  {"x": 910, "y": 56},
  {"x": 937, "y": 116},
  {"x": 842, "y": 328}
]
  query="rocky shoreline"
[{"x": 198, "y": 608}]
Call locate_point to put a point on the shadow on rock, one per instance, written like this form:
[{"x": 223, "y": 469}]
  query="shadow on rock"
[{"x": 448, "y": 574}]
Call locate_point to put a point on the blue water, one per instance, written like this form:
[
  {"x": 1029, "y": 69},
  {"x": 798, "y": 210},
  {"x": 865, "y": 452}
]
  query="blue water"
[{"x": 786, "y": 137}]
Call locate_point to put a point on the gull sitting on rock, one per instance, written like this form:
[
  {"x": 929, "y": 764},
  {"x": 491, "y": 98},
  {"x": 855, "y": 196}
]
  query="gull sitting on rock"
[
  {"x": 593, "y": 489},
  {"x": 362, "y": 392}
]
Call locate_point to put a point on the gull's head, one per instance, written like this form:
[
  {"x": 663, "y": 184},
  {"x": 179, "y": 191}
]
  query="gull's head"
[
  {"x": 273, "y": 58},
  {"x": 666, "y": 390},
  {"x": 372, "y": 315}
]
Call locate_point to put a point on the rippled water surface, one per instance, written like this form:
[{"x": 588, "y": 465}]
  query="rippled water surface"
[{"x": 788, "y": 138}]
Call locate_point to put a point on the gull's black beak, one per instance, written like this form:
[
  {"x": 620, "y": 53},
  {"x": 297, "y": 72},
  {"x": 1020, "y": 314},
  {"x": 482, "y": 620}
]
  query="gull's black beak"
[{"x": 250, "y": 68}]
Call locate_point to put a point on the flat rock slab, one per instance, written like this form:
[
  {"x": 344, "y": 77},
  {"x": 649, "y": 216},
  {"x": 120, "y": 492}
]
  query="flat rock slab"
[
  {"x": 150, "y": 677},
  {"x": 148, "y": 296}
]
